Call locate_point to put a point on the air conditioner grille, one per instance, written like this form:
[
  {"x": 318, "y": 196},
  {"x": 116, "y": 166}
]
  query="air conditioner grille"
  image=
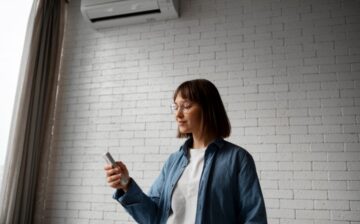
[{"x": 154, "y": 11}]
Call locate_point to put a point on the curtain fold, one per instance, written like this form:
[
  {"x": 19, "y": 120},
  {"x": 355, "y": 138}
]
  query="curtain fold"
[{"x": 33, "y": 110}]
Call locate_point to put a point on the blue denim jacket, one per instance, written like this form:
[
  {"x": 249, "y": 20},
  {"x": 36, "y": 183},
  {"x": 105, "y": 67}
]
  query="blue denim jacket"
[{"x": 229, "y": 189}]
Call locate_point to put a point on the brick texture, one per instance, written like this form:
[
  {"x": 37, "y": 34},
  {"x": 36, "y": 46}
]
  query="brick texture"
[{"x": 289, "y": 75}]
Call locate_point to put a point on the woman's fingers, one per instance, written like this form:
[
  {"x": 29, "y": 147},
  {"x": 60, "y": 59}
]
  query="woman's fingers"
[
  {"x": 107, "y": 167},
  {"x": 114, "y": 174},
  {"x": 112, "y": 171},
  {"x": 123, "y": 168},
  {"x": 113, "y": 178},
  {"x": 114, "y": 181}
]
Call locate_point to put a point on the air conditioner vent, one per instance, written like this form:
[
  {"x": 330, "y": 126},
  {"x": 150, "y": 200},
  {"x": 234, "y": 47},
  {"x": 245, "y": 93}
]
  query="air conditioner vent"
[
  {"x": 107, "y": 13},
  {"x": 124, "y": 15}
]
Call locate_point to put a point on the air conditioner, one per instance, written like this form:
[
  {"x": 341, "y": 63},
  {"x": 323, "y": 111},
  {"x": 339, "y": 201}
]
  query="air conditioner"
[{"x": 108, "y": 13}]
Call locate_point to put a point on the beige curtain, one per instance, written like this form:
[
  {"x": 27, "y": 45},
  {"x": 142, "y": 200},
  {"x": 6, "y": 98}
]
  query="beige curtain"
[{"x": 34, "y": 106}]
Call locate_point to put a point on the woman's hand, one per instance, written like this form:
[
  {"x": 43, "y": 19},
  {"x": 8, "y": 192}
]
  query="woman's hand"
[{"x": 118, "y": 176}]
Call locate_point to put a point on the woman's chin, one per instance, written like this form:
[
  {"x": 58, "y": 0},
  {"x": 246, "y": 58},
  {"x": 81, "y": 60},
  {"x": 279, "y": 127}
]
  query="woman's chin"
[{"x": 183, "y": 130}]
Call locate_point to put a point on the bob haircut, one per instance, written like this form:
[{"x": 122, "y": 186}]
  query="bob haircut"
[{"x": 214, "y": 119}]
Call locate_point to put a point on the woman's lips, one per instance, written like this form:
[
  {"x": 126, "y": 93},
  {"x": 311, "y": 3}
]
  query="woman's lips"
[{"x": 181, "y": 123}]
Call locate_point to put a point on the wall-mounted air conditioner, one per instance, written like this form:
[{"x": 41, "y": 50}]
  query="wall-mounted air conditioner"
[{"x": 108, "y": 13}]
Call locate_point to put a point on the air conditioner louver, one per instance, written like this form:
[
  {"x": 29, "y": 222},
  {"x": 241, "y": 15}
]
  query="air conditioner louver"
[{"x": 102, "y": 13}]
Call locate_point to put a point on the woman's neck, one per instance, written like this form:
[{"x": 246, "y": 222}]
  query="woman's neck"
[{"x": 201, "y": 142}]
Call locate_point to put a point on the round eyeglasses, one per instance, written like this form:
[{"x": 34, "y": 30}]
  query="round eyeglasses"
[{"x": 184, "y": 107}]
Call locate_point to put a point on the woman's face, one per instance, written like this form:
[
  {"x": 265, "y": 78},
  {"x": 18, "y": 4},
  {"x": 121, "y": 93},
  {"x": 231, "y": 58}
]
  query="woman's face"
[{"x": 188, "y": 116}]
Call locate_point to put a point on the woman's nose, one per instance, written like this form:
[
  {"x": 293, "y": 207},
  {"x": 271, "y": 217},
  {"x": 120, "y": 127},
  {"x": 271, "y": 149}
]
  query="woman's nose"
[{"x": 179, "y": 113}]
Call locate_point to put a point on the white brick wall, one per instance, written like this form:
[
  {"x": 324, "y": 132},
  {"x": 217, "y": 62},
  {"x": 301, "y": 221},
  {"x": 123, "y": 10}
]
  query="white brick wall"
[{"x": 288, "y": 72}]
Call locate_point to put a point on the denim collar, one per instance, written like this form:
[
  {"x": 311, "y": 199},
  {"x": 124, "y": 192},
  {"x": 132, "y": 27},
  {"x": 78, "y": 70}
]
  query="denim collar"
[{"x": 214, "y": 145}]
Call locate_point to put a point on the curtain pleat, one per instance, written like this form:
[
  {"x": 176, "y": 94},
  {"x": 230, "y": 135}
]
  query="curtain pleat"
[{"x": 33, "y": 111}]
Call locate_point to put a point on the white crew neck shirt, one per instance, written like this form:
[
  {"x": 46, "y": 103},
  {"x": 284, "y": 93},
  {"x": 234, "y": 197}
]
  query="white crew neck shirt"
[{"x": 185, "y": 194}]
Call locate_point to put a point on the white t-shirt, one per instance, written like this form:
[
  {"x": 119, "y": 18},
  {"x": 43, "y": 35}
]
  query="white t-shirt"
[{"x": 184, "y": 197}]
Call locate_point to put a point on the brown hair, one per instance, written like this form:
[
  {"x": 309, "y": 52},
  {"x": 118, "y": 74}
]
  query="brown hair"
[{"x": 214, "y": 119}]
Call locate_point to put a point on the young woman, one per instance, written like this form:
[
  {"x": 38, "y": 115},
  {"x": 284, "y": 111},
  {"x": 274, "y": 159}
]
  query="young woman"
[{"x": 208, "y": 180}]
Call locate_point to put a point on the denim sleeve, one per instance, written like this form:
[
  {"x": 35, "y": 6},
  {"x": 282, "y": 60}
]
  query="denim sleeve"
[
  {"x": 143, "y": 208},
  {"x": 252, "y": 205}
]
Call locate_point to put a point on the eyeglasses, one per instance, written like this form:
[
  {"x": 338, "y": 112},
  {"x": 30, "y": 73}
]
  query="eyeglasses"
[{"x": 184, "y": 107}]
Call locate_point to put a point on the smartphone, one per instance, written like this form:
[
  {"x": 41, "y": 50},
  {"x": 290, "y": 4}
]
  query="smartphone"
[{"x": 109, "y": 159}]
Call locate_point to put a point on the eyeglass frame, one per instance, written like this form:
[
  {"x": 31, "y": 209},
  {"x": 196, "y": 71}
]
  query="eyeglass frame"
[{"x": 184, "y": 107}]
